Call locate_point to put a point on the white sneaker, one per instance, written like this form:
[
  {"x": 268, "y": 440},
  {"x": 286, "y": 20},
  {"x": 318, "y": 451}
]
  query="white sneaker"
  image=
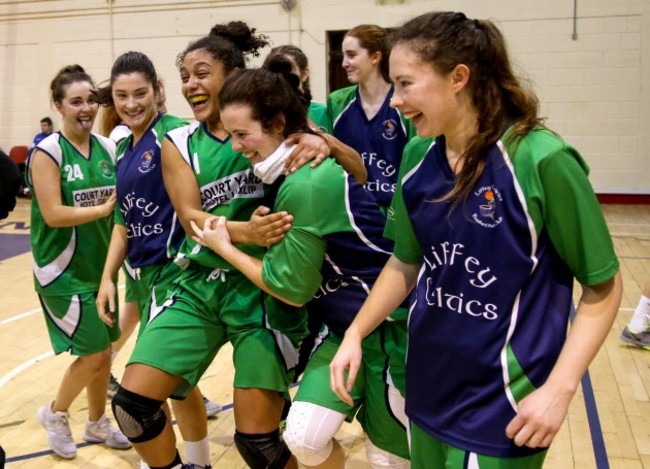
[
  {"x": 211, "y": 408},
  {"x": 59, "y": 437},
  {"x": 102, "y": 431}
]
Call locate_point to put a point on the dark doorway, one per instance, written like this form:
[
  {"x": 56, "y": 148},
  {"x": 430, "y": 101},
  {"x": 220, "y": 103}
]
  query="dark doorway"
[{"x": 336, "y": 77}]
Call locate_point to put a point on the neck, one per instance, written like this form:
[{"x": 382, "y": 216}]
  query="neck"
[
  {"x": 374, "y": 90},
  {"x": 457, "y": 139},
  {"x": 140, "y": 131},
  {"x": 78, "y": 140},
  {"x": 215, "y": 127}
]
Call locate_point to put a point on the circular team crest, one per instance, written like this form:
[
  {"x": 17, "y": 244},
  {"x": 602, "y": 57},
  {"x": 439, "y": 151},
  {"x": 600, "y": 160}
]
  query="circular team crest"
[
  {"x": 146, "y": 162},
  {"x": 488, "y": 198},
  {"x": 390, "y": 129},
  {"x": 107, "y": 169}
]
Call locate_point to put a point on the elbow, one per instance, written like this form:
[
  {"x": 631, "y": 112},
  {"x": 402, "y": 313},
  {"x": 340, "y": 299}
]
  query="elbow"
[{"x": 361, "y": 176}]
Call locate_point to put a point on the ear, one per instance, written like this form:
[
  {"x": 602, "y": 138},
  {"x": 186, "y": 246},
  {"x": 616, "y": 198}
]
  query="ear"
[
  {"x": 279, "y": 122},
  {"x": 459, "y": 77},
  {"x": 375, "y": 58},
  {"x": 304, "y": 74},
  {"x": 57, "y": 106}
]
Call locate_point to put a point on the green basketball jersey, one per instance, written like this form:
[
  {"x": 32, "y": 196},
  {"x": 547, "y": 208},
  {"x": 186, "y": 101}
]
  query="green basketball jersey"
[
  {"x": 70, "y": 260},
  {"x": 227, "y": 183}
]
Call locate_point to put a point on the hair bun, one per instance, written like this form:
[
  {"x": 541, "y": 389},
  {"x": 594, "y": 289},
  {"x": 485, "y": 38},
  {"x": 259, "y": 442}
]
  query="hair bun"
[{"x": 282, "y": 66}]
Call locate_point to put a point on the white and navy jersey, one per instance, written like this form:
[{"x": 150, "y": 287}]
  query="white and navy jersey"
[
  {"x": 143, "y": 206},
  {"x": 494, "y": 290},
  {"x": 379, "y": 140}
]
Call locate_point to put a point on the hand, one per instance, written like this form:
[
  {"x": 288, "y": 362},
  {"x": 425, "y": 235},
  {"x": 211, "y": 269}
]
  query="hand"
[
  {"x": 539, "y": 417},
  {"x": 214, "y": 234},
  {"x": 106, "y": 294},
  {"x": 268, "y": 228},
  {"x": 311, "y": 147},
  {"x": 347, "y": 358},
  {"x": 108, "y": 207}
]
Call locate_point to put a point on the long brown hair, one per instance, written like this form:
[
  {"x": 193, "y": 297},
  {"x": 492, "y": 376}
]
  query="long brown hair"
[{"x": 446, "y": 39}]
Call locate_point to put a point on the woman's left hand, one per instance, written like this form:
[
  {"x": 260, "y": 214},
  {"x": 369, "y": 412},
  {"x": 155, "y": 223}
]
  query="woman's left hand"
[
  {"x": 214, "y": 234},
  {"x": 539, "y": 417},
  {"x": 311, "y": 147}
]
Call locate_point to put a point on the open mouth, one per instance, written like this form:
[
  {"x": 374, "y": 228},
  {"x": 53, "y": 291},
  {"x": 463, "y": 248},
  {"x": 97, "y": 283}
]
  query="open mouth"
[{"x": 198, "y": 100}]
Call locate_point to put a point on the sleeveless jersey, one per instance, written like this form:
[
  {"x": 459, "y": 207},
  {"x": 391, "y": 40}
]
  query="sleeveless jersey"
[
  {"x": 335, "y": 249},
  {"x": 70, "y": 260},
  {"x": 143, "y": 206},
  {"x": 380, "y": 140},
  {"x": 495, "y": 287},
  {"x": 227, "y": 183}
]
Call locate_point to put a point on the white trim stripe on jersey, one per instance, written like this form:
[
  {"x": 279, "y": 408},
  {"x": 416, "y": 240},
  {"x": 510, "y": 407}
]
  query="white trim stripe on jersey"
[
  {"x": 50, "y": 272},
  {"x": 344, "y": 110},
  {"x": 514, "y": 314},
  {"x": 353, "y": 277},
  {"x": 353, "y": 224}
]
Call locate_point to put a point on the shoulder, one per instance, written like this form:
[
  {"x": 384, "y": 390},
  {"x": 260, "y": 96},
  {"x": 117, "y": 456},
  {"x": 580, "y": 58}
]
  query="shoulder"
[
  {"x": 51, "y": 146},
  {"x": 169, "y": 122},
  {"x": 542, "y": 148},
  {"x": 342, "y": 96},
  {"x": 106, "y": 143},
  {"x": 119, "y": 133}
]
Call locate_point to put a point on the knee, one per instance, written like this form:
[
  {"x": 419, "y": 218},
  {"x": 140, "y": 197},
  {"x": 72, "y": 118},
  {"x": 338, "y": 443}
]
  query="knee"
[
  {"x": 379, "y": 458},
  {"x": 311, "y": 444},
  {"x": 140, "y": 418},
  {"x": 263, "y": 451},
  {"x": 95, "y": 362}
]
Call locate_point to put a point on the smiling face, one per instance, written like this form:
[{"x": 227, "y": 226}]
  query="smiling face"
[
  {"x": 78, "y": 108},
  {"x": 358, "y": 63},
  {"x": 421, "y": 93},
  {"x": 247, "y": 135},
  {"x": 135, "y": 101},
  {"x": 202, "y": 77}
]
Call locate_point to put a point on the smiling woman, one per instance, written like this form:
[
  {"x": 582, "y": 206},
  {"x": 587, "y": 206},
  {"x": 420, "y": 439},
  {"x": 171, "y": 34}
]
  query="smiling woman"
[{"x": 72, "y": 176}]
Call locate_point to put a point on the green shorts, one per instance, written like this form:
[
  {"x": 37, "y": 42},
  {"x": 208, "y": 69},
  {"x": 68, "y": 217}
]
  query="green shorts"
[
  {"x": 191, "y": 317},
  {"x": 74, "y": 324},
  {"x": 370, "y": 392},
  {"x": 427, "y": 452},
  {"x": 140, "y": 283}
]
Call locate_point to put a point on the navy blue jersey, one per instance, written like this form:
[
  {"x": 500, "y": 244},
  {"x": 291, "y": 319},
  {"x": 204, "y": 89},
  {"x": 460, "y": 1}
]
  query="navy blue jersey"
[
  {"x": 143, "y": 206},
  {"x": 379, "y": 140},
  {"x": 495, "y": 287}
]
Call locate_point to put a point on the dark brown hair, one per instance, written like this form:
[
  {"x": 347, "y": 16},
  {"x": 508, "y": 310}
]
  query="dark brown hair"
[
  {"x": 447, "y": 39},
  {"x": 373, "y": 38},
  {"x": 66, "y": 76}
]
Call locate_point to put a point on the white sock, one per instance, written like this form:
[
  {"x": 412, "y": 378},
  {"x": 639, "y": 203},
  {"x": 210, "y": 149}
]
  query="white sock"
[
  {"x": 198, "y": 452},
  {"x": 641, "y": 318},
  {"x": 143, "y": 465}
]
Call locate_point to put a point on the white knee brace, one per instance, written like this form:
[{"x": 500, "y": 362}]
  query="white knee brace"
[{"x": 309, "y": 432}]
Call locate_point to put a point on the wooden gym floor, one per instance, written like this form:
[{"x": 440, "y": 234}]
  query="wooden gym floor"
[{"x": 608, "y": 423}]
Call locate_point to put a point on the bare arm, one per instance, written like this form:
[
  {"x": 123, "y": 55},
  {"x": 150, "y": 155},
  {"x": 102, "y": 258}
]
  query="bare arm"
[
  {"x": 541, "y": 413},
  {"x": 215, "y": 236},
  {"x": 47, "y": 185},
  {"x": 393, "y": 286},
  {"x": 263, "y": 228},
  {"x": 115, "y": 257},
  {"x": 315, "y": 148}
]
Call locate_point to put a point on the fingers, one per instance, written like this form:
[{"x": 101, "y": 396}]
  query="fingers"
[
  {"x": 339, "y": 385},
  {"x": 525, "y": 433},
  {"x": 261, "y": 211}
]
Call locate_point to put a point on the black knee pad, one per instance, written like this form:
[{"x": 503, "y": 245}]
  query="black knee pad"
[
  {"x": 140, "y": 418},
  {"x": 263, "y": 451}
]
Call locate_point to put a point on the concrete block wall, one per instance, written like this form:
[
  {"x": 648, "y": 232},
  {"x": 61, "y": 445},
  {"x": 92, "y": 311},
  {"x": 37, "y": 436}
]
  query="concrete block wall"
[{"x": 593, "y": 89}]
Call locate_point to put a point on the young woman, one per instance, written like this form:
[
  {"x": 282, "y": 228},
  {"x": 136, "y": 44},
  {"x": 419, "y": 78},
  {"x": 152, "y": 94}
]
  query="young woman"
[
  {"x": 328, "y": 260},
  {"x": 361, "y": 115},
  {"x": 146, "y": 231},
  {"x": 209, "y": 302},
  {"x": 72, "y": 177},
  {"x": 493, "y": 222}
]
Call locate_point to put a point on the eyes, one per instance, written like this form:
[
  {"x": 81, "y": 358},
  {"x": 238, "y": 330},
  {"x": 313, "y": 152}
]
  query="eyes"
[{"x": 199, "y": 75}]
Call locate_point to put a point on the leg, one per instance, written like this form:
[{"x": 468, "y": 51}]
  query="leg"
[
  {"x": 129, "y": 318},
  {"x": 88, "y": 370},
  {"x": 257, "y": 416},
  {"x": 139, "y": 414},
  {"x": 310, "y": 435},
  {"x": 193, "y": 424}
]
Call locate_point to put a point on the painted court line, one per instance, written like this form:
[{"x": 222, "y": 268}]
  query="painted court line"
[{"x": 19, "y": 369}]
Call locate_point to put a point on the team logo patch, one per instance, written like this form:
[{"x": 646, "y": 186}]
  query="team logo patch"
[
  {"x": 390, "y": 129},
  {"x": 107, "y": 169},
  {"x": 486, "y": 211},
  {"x": 146, "y": 162}
]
